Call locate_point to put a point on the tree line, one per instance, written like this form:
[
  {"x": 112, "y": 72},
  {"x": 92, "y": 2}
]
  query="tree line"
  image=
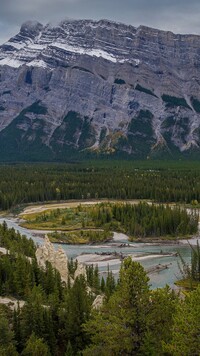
[
  {"x": 144, "y": 220},
  {"x": 22, "y": 184}
]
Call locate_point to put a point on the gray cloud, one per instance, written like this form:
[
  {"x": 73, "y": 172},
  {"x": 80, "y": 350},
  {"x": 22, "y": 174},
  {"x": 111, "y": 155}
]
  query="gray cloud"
[{"x": 180, "y": 17}]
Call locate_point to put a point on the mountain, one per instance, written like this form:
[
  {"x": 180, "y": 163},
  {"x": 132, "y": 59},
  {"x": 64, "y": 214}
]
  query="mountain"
[{"x": 86, "y": 86}]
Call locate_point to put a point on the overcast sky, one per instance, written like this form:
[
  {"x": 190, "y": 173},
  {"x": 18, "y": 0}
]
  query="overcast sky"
[{"x": 182, "y": 16}]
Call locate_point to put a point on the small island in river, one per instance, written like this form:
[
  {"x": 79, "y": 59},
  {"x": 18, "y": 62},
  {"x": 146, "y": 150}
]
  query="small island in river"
[{"x": 94, "y": 223}]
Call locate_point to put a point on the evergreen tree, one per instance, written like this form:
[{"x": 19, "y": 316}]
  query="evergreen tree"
[
  {"x": 69, "y": 351},
  {"x": 35, "y": 346},
  {"x": 17, "y": 328},
  {"x": 7, "y": 343},
  {"x": 186, "y": 329},
  {"x": 162, "y": 307},
  {"x": 121, "y": 325},
  {"x": 74, "y": 313},
  {"x": 32, "y": 315}
]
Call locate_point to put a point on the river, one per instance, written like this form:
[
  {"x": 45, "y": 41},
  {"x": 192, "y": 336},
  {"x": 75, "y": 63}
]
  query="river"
[{"x": 148, "y": 254}]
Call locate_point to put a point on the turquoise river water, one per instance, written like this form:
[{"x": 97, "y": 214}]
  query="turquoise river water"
[{"x": 147, "y": 254}]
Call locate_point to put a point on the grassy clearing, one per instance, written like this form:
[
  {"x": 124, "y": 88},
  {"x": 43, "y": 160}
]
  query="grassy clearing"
[
  {"x": 75, "y": 225},
  {"x": 59, "y": 219},
  {"x": 35, "y": 209},
  {"x": 80, "y": 237}
]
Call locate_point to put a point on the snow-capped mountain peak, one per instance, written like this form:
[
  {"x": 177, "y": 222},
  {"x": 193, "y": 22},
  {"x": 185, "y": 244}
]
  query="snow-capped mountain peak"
[{"x": 101, "y": 86}]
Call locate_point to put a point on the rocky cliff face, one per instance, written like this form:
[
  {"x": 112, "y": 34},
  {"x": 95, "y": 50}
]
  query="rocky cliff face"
[
  {"x": 59, "y": 261},
  {"x": 99, "y": 87}
]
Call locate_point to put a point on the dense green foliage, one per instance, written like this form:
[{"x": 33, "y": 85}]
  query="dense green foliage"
[
  {"x": 174, "y": 101},
  {"x": 80, "y": 237},
  {"x": 144, "y": 90},
  {"x": 15, "y": 142},
  {"x": 52, "y": 316},
  {"x": 140, "y": 133},
  {"x": 119, "y": 81},
  {"x": 136, "y": 220},
  {"x": 138, "y": 321},
  {"x": 195, "y": 103},
  {"x": 19, "y": 274},
  {"x": 14, "y": 241},
  {"x": 58, "y": 320},
  {"x": 185, "y": 339},
  {"x": 160, "y": 181},
  {"x": 141, "y": 220},
  {"x": 135, "y": 320},
  {"x": 195, "y": 263}
]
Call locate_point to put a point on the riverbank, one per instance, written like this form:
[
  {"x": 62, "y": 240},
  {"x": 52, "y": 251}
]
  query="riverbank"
[
  {"x": 77, "y": 223},
  {"x": 121, "y": 244},
  {"x": 117, "y": 237},
  {"x": 34, "y": 209}
]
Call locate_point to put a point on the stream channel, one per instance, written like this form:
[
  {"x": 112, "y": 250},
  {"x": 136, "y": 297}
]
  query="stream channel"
[{"x": 148, "y": 254}]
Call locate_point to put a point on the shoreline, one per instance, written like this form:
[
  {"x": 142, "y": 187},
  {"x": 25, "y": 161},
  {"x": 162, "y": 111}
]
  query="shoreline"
[
  {"x": 31, "y": 208},
  {"x": 119, "y": 244},
  {"x": 117, "y": 236},
  {"x": 37, "y": 208}
]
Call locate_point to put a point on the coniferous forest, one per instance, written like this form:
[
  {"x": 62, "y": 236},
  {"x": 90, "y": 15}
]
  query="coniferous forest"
[
  {"x": 56, "y": 319},
  {"x": 158, "y": 181},
  {"x": 45, "y": 316}
]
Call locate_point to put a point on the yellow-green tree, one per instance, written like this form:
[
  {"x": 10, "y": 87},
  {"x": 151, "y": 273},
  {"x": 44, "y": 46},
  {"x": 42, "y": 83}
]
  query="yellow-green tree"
[{"x": 186, "y": 329}]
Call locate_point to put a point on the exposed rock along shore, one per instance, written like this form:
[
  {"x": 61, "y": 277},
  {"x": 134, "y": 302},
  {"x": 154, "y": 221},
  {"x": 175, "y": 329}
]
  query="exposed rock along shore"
[{"x": 58, "y": 260}]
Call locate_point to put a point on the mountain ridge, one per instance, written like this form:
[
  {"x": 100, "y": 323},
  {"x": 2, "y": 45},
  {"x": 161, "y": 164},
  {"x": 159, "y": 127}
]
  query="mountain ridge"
[{"x": 100, "y": 87}]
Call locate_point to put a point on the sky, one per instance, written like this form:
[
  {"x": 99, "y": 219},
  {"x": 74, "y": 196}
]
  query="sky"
[{"x": 181, "y": 16}]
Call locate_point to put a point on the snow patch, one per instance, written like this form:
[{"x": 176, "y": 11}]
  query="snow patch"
[
  {"x": 37, "y": 46},
  {"x": 94, "y": 52},
  {"x": 16, "y": 45},
  {"x": 137, "y": 61},
  {"x": 11, "y": 62},
  {"x": 37, "y": 63}
]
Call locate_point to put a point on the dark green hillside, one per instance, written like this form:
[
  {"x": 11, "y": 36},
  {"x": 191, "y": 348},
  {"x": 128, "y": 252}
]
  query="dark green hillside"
[{"x": 23, "y": 138}]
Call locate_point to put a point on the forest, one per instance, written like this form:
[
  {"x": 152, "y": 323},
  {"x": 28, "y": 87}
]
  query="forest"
[
  {"x": 48, "y": 317},
  {"x": 95, "y": 223},
  {"x": 51, "y": 319},
  {"x": 57, "y": 319},
  {"x": 164, "y": 182}
]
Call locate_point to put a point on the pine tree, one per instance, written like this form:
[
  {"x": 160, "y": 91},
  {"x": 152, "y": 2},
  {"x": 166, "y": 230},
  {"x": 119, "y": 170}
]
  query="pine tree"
[
  {"x": 76, "y": 311},
  {"x": 159, "y": 321},
  {"x": 7, "y": 344},
  {"x": 121, "y": 325},
  {"x": 35, "y": 347},
  {"x": 186, "y": 329}
]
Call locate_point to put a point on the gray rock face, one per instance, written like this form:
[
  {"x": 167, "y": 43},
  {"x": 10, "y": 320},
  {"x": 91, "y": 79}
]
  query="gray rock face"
[
  {"x": 59, "y": 261},
  {"x": 98, "y": 302},
  {"x": 100, "y": 86}
]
